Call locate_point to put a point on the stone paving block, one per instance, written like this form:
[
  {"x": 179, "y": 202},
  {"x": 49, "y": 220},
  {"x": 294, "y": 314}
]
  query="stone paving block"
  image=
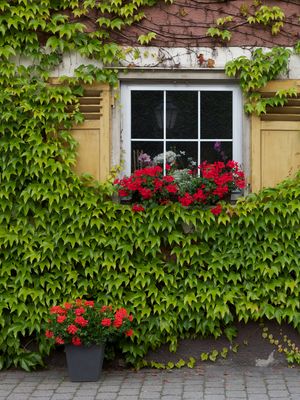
[
  {"x": 106, "y": 396},
  {"x": 62, "y": 396},
  {"x": 148, "y": 395},
  {"x": 193, "y": 396},
  {"x": 86, "y": 392},
  {"x": 5, "y": 392},
  {"x": 214, "y": 397},
  {"x": 258, "y": 397},
  {"x": 193, "y": 388},
  {"x": 47, "y": 392},
  {"x": 108, "y": 389},
  {"x": 68, "y": 389},
  {"x": 235, "y": 393},
  {"x": 129, "y": 392},
  {"x": 127, "y": 397},
  {"x": 170, "y": 397},
  {"x": 85, "y": 397},
  {"x": 282, "y": 394},
  {"x": 18, "y": 396}
]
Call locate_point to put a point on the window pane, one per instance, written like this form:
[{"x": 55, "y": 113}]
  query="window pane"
[
  {"x": 216, "y": 151},
  {"x": 216, "y": 115},
  {"x": 146, "y": 121},
  {"x": 182, "y": 114},
  {"x": 150, "y": 148},
  {"x": 187, "y": 153}
]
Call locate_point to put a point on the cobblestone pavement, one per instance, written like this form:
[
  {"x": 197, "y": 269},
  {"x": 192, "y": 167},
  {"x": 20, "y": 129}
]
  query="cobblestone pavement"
[{"x": 208, "y": 382}]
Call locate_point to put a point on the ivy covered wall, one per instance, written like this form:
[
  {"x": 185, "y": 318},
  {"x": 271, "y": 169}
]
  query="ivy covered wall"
[{"x": 61, "y": 236}]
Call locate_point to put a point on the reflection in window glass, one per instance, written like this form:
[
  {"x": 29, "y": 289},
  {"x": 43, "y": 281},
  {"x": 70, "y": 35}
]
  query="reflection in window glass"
[
  {"x": 187, "y": 153},
  {"x": 216, "y": 115},
  {"x": 182, "y": 114},
  {"x": 145, "y": 122},
  {"x": 216, "y": 151},
  {"x": 150, "y": 148}
]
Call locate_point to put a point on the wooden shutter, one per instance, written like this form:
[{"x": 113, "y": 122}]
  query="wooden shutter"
[
  {"x": 275, "y": 140},
  {"x": 93, "y": 135}
]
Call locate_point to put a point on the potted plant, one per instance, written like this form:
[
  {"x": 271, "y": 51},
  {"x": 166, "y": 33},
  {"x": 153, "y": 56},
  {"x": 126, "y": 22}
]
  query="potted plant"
[{"x": 84, "y": 327}]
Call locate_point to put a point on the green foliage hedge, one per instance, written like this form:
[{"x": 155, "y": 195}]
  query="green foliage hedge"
[{"x": 182, "y": 272}]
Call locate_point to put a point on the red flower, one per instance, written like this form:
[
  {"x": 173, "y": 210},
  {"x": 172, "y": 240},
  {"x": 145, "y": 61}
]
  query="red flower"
[
  {"x": 79, "y": 311},
  {"x": 76, "y": 341},
  {"x": 118, "y": 322},
  {"x": 168, "y": 178},
  {"x": 171, "y": 188},
  {"x": 137, "y": 208},
  {"x": 49, "y": 334},
  {"x": 216, "y": 210},
  {"x": 68, "y": 306},
  {"x": 72, "y": 329},
  {"x": 130, "y": 317},
  {"x": 106, "y": 322},
  {"x": 89, "y": 303},
  {"x": 129, "y": 332},
  {"x": 61, "y": 318},
  {"x": 104, "y": 308},
  {"x": 81, "y": 321},
  {"x": 123, "y": 193},
  {"x": 121, "y": 313},
  {"x": 78, "y": 302},
  {"x": 186, "y": 200},
  {"x": 59, "y": 340},
  {"x": 146, "y": 193},
  {"x": 57, "y": 310},
  {"x": 168, "y": 167}
]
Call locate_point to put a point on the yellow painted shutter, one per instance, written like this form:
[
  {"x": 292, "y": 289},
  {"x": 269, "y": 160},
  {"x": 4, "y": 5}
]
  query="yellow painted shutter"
[
  {"x": 275, "y": 140},
  {"x": 93, "y": 135}
]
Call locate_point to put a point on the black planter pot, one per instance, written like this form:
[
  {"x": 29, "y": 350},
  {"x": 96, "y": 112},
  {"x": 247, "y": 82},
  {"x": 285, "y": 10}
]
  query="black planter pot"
[{"x": 84, "y": 363}]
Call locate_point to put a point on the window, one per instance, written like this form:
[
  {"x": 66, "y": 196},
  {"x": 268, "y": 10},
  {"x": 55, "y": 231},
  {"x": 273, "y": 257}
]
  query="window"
[{"x": 200, "y": 122}]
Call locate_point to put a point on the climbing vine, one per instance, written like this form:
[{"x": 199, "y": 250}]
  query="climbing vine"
[
  {"x": 62, "y": 237},
  {"x": 256, "y": 72}
]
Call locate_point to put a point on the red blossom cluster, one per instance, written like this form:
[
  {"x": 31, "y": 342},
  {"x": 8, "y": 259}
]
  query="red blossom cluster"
[
  {"x": 206, "y": 186},
  {"x": 83, "y": 322}
]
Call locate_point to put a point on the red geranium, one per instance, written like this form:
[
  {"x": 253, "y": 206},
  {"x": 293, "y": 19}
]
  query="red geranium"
[
  {"x": 84, "y": 322},
  {"x": 216, "y": 210},
  {"x": 106, "y": 322},
  {"x": 76, "y": 341}
]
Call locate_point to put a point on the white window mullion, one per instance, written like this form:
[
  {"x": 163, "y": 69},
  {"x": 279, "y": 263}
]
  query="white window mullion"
[
  {"x": 199, "y": 130},
  {"x": 165, "y": 130}
]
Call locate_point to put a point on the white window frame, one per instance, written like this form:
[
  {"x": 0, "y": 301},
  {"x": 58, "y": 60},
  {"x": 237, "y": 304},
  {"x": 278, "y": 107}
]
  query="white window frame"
[{"x": 237, "y": 116}]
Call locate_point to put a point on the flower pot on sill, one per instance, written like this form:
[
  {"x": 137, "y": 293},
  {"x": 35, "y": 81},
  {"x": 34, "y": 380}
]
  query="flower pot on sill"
[{"x": 84, "y": 363}]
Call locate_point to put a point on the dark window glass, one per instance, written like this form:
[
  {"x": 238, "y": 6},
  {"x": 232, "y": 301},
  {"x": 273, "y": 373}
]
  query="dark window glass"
[
  {"x": 216, "y": 115},
  {"x": 182, "y": 115},
  {"x": 187, "y": 153},
  {"x": 216, "y": 151},
  {"x": 150, "y": 148},
  {"x": 145, "y": 122}
]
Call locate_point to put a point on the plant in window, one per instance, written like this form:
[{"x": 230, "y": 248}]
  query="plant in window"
[{"x": 203, "y": 186}]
